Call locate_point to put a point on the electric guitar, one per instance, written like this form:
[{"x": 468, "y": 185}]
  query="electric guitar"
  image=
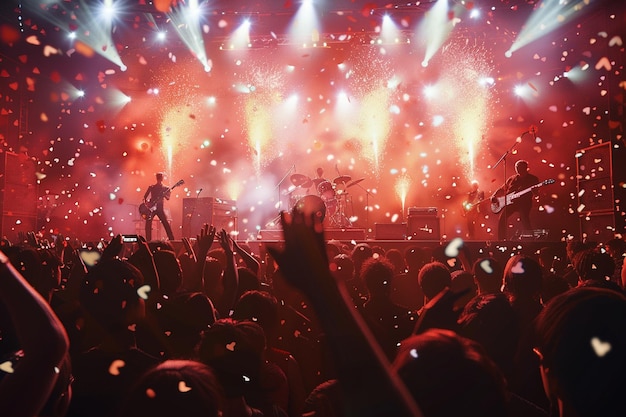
[
  {"x": 147, "y": 208},
  {"x": 498, "y": 203},
  {"x": 470, "y": 208}
]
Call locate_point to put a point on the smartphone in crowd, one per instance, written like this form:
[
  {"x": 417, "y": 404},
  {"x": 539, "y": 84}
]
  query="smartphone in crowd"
[{"x": 130, "y": 238}]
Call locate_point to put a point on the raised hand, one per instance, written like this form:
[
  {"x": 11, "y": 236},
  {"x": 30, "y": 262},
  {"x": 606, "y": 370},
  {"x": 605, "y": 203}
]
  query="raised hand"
[
  {"x": 226, "y": 242},
  {"x": 143, "y": 247},
  {"x": 32, "y": 240},
  {"x": 304, "y": 260},
  {"x": 205, "y": 239},
  {"x": 375, "y": 390},
  {"x": 114, "y": 248},
  {"x": 189, "y": 249},
  {"x": 143, "y": 259}
]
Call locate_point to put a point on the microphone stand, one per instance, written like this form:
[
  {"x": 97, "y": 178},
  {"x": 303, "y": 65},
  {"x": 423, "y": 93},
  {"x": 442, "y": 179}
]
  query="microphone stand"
[
  {"x": 193, "y": 210},
  {"x": 367, "y": 210},
  {"x": 280, "y": 203},
  {"x": 502, "y": 160},
  {"x": 272, "y": 223}
]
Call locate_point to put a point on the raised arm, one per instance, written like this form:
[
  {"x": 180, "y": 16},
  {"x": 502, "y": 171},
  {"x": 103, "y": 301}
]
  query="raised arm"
[
  {"x": 231, "y": 277},
  {"x": 144, "y": 261},
  {"x": 251, "y": 262},
  {"x": 370, "y": 387},
  {"x": 42, "y": 338}
]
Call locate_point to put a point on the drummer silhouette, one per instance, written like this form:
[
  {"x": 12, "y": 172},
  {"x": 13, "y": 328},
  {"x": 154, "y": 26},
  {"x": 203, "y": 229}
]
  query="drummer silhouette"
[
  {"x": 320, "y": 177},
  {"x": 330, "y": 201}
]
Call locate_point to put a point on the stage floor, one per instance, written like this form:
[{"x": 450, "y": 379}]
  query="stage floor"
[{"x": 475, "y": 249}]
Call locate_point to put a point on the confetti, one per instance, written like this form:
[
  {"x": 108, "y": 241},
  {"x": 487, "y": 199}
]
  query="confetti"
[
  {"x": 7, "y": 367},
  {"x": 600, "y": 347},
  {"x": 616, "y": 41},
  {"x": 485, "y": 265},
  {"x": 453, "y": 248},
  {"x": 603, "y": 63},
  {"x": 183, "y": 387},
  {"x": 518, "y": 268},
  {"x": 116, "y": 365},
  {"x": 144, "y": 291}
]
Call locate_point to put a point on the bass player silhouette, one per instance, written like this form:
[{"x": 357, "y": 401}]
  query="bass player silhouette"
[{"x": 515, "y": 196}]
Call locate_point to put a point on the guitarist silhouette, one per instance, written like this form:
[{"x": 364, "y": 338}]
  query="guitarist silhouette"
[
  {"x": 471, "y": 208},
  {"x": 521, "y": 181},
  {"x": 157, "y": 192}
]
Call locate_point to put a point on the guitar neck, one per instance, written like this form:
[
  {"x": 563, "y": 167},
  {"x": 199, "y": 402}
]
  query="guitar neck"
[
  {"x": 181, "y": 182},
  {"x": 164, "y": 192},
  {"x": 499, "y": 202},
  {"x": 524, "y": 191},
  {"x": 529, "y": 189}
]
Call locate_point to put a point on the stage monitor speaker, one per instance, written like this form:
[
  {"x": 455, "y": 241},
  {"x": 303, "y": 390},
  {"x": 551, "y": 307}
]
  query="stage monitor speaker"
[
  {"x": 219, "y": 212},
  {"x": 18, "y": 195},
  {"x": 423, "y": 227},
  {"x": 390, "y": 231}
]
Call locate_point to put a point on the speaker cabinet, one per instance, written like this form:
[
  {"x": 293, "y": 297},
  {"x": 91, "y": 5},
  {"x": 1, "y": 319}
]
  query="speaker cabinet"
[
  {"x": 600, "y": 192},
  {"x": 594, "y": 175},
  {"x": 390, "y": 231},
  {"x": 216, "y": 211},
  {"x": 596, "y": 194},
  {"x": 598, "y": 227},
  {"x": 423, "y": 227},
  {"x": 13, "y": 225},
  {"x": 19, "y": 198},
  {"x": 18, "y": 195}
]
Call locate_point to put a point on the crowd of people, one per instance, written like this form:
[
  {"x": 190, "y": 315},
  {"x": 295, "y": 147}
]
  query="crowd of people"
[{"x": 314, "y": 328}]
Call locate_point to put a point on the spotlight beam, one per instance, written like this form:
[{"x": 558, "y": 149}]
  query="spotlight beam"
[
  {"x": 185, "y": 20},
  {"x": 94, "y": 28},
  {"x": 435, "y": 29},
  {"x": 549, "y": 16}
]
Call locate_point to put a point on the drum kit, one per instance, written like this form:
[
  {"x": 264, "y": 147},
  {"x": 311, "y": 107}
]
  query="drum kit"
[{"x": 330, "y": 201}]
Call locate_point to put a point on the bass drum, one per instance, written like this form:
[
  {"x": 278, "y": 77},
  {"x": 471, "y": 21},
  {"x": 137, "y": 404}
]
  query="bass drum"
[{"x": 311, "y": 204}]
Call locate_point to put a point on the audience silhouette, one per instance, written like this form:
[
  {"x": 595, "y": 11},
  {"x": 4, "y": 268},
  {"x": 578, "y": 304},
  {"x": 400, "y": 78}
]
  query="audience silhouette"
[{"x": 314, "y": 329}]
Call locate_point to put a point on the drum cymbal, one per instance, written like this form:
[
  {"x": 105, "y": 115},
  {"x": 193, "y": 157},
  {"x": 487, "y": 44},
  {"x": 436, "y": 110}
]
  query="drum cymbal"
[
  {"x": 355, "y": 182},
  {"x": 301, "y": 180},
  {"x": 342, "y": 179}
]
